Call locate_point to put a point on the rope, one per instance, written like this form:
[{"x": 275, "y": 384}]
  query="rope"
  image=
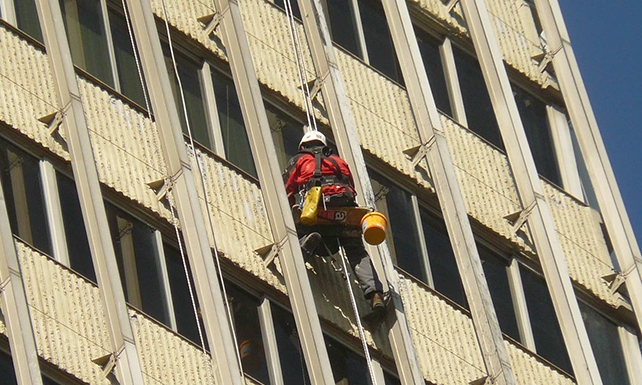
[
  {"x": 301, "y": 70},
  {"x": 362, "y": 334},
  {"x": 219, "y": 270}
]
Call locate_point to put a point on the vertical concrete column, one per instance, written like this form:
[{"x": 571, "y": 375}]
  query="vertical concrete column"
[
  {"x": 531, "y": 192},
  {"x": 15, "y": 306},
  {"x": 451, "y": 200},
  {"x": 183, "y": 189},
  {"x": 593, "y": 150},
  {"x": 345, "y": 133},
  {"x": 274, "y": 196},
  {"x": 121, "y": 334}
]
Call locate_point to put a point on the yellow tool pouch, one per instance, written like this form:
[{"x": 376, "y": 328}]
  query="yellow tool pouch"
[{"x": 310, "y": 205}]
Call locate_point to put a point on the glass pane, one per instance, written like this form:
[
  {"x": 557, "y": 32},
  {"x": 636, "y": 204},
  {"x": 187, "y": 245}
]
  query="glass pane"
[
  {"x": 606, "y": 345},
  {"x": 348, "y": 368},
  {"x": 479, "y": 110},
  {"x": 546, "y": 330},
  {"x": 402, "y": 226},
  {"x": 248, "y": 333},
  {"x": 188, "y": 71},
  {"x": 7, "y": 373},
  {"x": 443, "y": 265},
  {"x": 429, "y": 48},
  {"x": 236, "y": 142},
  {"x": 534, "y": 118},
  {"x": 286, "y": 134},
  {"x": 130, "y": 82},
  {"x": 290, "y": 354},
  {"x": 342, "y": 25},
  {"x": 183, "y": 310},
  {"x": 495, "y": 271},
  {"x": 381, "y": 53},
  {"x": 27, "y": 18},
  {"x": 138, "y": 263},
  {"x": 24, "y": 197},
  {"x": 87, "y": 39},
  {"x": 77, "y": 243}
]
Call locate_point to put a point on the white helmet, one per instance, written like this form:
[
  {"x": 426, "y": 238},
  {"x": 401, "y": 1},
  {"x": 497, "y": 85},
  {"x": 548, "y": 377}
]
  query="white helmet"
[{"x": 313, "y": 136}]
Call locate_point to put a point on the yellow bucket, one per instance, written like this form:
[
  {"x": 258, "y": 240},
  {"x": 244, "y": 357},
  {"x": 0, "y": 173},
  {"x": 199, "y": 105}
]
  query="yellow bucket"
[{"x": 374, "y": 226}]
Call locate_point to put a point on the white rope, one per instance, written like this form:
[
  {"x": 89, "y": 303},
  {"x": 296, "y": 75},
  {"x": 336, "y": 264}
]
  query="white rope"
[
  {"x": 136, "y": 58},
  {"x": 301, "y": 70},
  {"x": 219, "y": 271},
  {"x": 185, "y": 269},
  {"x": 362, "y": 334}
]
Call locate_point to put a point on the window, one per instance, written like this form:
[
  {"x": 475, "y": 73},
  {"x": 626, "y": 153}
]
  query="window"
[
  {"x": 429, "y": 49},
  {"x": 7, "y": 373},
  {"x": 248, "y": 333},
  {"x": 290, "y": 353},
  {"x": 607, "y": 348},
  {"x": 24, "y": 196},
  {"x": 126, "y": 68},
  {"x": 443, "y": 265},
  {"x": 495, "y": 270},
  {"x": 348, "y": 368},
  {"x": 286, "y": 134},
  {"x": 343, "y": 27},
  {"x": 295, "y": 7},
  {"x": 534, "y": 118},
  {"x": 403, "y": 236},
  {"x": 27, "y": 18},
  {"x": 87, "y": 36},
  {"x": 479, "y": 110},
  {"x": 77, "y": 243},
  {"x": 549, "y": 341},
  {"x": 138, "y": 263},
  {"x": 232, "y": 126},
  {"x": 381, "y": 52},
  {"x": 186, "y": 323}
]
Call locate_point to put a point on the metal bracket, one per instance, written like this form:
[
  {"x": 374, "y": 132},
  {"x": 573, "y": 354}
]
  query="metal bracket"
[
  {"x": 212, "y": 21},
  {"x": 518, "y": 218},
  {"x": 270, "y": 252},
  {"x": 52, "y": 121},
  {"x": 108, "y": 362},
  {"x": 417, "y": 153},
  {"x": 450, "y": 4},
  {"x": 481, "y": 381},
  {"x": 317, "y": 84},
  {"x": 4, "y": 284},
  {"x": 160, "y": 187}
]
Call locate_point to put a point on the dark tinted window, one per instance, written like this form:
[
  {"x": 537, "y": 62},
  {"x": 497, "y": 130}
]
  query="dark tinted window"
[
  {"x": 429, "y": 48},
  {"x": 290, "y": 353},
  {"x": 342, "y": 25},
  {"x": 27, "y": 18},
  {"x": 479, "y": 110},
  {"x": 77, "y": 243},
  {"x": 347, "y": 366},
  {"x": 546, "y": 330},
  {"x": 129, "y": 80}
]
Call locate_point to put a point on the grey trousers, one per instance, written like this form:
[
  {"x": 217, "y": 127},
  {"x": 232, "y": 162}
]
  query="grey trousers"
[{"x": 359, "y": 260}]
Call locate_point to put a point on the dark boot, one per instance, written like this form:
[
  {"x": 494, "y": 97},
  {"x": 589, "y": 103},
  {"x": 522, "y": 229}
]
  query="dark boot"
[
  {"x": 377, "y": 302},
  {"x": 309, "y": 243}
]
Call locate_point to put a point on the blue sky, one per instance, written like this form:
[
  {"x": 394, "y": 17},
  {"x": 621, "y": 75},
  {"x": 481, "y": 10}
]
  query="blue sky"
[{"x": 607, "y": 41}]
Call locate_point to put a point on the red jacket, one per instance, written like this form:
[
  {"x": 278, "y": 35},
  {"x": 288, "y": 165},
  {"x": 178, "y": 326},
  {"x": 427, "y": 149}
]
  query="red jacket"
[{"x": 301, "y": 170}]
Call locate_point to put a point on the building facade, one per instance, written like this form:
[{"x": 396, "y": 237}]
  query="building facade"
[{"x": 146, "y": 236}]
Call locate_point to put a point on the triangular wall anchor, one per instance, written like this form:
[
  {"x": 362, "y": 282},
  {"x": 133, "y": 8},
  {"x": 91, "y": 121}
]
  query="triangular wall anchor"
[
  {"x": 417, "y": 153},
  {"x": 270, "y": 252},
  {"x": 615, "y": 281},
  {"x": 450, "y": 4},
  {"x": 518, "y": 218},
  {"x": 52, "y": 121},
  {"x": 106, "y": 363},
  {"x": 211, "y": 21},
  {"x": 480, "y": 381},
  {"x": 316, "y": 85},
  {"x": 160, "y": 187}
]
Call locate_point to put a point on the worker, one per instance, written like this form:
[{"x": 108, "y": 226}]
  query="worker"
[{"x": 316, "y": 165}]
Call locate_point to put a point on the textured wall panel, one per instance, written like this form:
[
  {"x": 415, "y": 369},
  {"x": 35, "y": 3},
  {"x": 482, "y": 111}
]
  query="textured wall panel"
[
  {"x": 444, "y": 338},
  {"x": 26, "y": 89},
  {"x": 125, "y": 145},
  {"x": 166, "y": 358},
  {"x": 528, "y": 370},
  {"x": 67, "y": 315},
  {"x": 583, "y": 243}
]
